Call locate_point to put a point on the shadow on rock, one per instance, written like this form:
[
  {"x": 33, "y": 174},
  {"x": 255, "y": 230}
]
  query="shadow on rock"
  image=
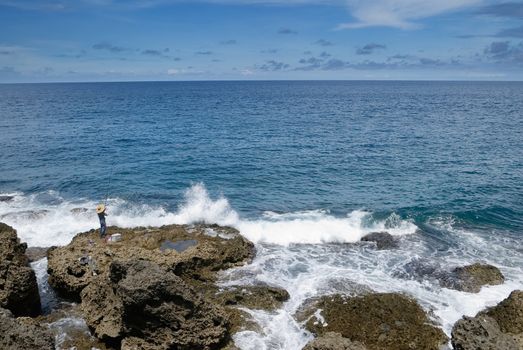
[{"x": 499, "y": 327}]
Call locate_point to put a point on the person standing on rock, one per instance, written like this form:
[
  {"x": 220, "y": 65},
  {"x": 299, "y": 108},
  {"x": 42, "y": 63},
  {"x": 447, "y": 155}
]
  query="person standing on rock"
[{"x": 100, "y": 210}]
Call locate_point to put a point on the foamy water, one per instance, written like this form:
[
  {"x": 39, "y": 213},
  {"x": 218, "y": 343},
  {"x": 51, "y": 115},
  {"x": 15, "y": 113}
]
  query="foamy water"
[{"x": 302, "y": 252}]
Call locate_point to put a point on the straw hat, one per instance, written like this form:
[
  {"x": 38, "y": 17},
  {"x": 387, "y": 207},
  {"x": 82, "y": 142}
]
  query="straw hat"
[{"x": 100, "y": 208}]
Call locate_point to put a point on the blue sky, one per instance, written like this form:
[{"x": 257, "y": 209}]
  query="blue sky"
[{"x": 127, "y": 40}]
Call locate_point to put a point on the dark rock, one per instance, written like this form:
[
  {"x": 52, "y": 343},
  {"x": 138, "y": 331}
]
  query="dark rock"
[
  {"x": 499, "y": 327},
  {"x": 471, "y": 278},
  {"x": 79, "y": 210},
  {"x": 151, "y": 308},
  {"x": 22, "y": 334},
  {"x": 6, "y": 198},
  {"x": 380, "y": 321},
  {"x": 73, "y": 267},
  {"x": 468, "y": 278},
  {"x": 260, "y": 297},
  {"x": 18, "y": 287},
  {"x": 383, "y": 240},
  {"x": 36, "y": 253},
  {"x": 333, "y": 341}
]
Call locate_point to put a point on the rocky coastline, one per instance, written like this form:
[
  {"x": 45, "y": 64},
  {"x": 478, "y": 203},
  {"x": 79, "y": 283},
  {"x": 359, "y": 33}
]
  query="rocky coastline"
[{"x": 156, "y": 288}]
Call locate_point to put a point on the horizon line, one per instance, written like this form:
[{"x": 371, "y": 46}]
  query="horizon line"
[{"x": 256, "y": 80}]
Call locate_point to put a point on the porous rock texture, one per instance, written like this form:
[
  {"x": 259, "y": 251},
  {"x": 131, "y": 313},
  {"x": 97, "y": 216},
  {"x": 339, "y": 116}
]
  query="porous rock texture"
[
  {"x": 496, "y": 328},
  {"x": 22, "y": 334},
  {"x": 18, "y": 287},
  {"x": 471, "y": 278},
  {"x": 333, "y": 341},
  {"x": 152, "y": 307},
  {"x": 380, "y": 321},
  {"x": 155, "y": 289},
  {"x": 71, "y": 268}
]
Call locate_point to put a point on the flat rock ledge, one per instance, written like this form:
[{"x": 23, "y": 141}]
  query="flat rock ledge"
[
  {"x": 18, "y": 287},
  {"x": 378, "y": 321},
  {"x": 194, "y": 253},
  {"x": 499, "y": 327}
]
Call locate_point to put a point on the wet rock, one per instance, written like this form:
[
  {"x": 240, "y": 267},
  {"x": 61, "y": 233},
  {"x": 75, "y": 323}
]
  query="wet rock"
[
  {"x": 383, "y": 240},
  {"x": 149, "y": 307},
  {"x": 499, "y": 327},
  {"x": 380, "y": 321},
  {"x": 36, "y": 253},
  {"x": 22, "y": 334},
  {"x": 73, "y": 267},
  {"x": 468, "y": 278},
  {"x": 471, "y": 278},
  {"x": 18, "y": 287},
  {"x": 6, "y": 198},
  {"x": 260, "y": 297},
  {"x": 79, "y": 210},
  {"x": 333, "y": 341}
]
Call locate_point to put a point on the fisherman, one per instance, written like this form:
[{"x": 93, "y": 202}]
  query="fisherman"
[{"x": 100, "y": 210}]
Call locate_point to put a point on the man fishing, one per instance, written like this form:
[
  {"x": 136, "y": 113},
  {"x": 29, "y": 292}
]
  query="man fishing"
[{"x": 100, "y": 210}]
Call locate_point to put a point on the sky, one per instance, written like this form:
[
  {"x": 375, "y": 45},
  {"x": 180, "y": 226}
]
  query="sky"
[{"x": 157, "y": 40}]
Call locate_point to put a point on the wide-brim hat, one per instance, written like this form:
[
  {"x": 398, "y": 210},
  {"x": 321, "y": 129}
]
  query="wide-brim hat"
[{"x": 100, "y": 208}]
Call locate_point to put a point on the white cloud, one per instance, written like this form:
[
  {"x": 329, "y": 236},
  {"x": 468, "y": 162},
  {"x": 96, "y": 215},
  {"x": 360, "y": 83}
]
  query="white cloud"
[
  {"x": 172, "y": 71},
  {"x": 399, "y": 13}
]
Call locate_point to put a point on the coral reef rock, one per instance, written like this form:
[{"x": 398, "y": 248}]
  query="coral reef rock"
[
  {"x": 22, "y": 334},
  {"x": 18, "y": 287},
  {"x": 380, "y": 321},
  {"x": 499, "y": 327}
]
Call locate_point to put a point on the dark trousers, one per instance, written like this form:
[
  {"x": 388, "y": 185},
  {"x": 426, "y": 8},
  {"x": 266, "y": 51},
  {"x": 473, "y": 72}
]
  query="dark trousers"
[{"x": 102, "y": 229}]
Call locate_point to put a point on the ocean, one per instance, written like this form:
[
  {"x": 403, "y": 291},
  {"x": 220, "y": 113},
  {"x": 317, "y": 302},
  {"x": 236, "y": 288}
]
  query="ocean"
[{"x": 301, "y": 168}]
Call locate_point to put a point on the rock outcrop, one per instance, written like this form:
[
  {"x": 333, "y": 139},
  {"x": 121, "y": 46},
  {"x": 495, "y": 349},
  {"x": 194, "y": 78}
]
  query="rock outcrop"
[
  {"x": 383, "y": 240},
  {"x": 154, "y": 289},
  {"x": 18, "y": 287},
  {"x": 380, "y": 321},
  {"x": 499, "y": 327},
  {"x": 151, "y": 308},
  {"x": 261, "y": 297},
  {"x": 21, "y": 334},
  {"x": 471, "y": 278},
  {"x": 212, "y": 248},
  {"x": 333, "y": 341}
]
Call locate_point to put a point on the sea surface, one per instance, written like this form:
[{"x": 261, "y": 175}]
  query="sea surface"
[{"x": 301, "y": 168}]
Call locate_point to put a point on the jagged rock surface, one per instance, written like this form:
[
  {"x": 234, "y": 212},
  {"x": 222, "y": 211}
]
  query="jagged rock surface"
[
  {"x": 73, "y": 267},
  {"x": 150, "y": 307},
  {"x": 261, "y": 297},
  {"x": 499, "y": 327},
  {"x": 18, "y": 287},
  {"x": 17, "y": 334}
]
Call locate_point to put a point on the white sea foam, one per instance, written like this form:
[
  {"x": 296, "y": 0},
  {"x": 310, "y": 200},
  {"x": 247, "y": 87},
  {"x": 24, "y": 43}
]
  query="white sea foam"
[
  {"x": 291, "y": 254},
  {"x": 55, "y": 221}
]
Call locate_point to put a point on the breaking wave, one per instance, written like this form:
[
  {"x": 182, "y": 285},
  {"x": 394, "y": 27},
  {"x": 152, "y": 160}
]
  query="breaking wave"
[{"x": 47, "y": 219}]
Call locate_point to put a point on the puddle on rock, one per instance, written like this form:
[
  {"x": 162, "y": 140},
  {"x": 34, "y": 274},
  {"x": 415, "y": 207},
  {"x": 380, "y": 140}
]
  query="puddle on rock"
[{"x": 179, "y": 246}]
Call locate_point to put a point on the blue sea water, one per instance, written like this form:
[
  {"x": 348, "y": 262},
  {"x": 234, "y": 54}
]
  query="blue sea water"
[{"x": 439, "y": 164}]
